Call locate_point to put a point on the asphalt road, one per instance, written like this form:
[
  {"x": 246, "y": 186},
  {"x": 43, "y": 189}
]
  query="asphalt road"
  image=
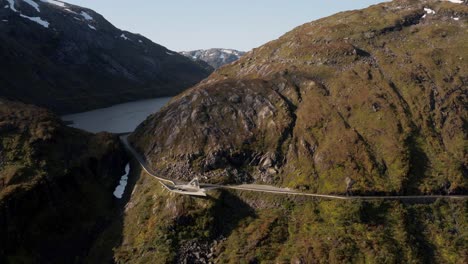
[{"x": 276, "y": 190}]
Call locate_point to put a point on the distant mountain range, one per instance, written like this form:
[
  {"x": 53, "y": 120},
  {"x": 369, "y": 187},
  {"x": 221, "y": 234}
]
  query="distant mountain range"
[
  {"x": 68, "y": 59},
  {"x": 214, "y": 57}
]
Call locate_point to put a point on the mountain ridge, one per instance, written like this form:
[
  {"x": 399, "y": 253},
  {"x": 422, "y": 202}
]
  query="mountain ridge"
[
  {"x": 70, "y": 59},
  {"x": 216, "y": 57}
]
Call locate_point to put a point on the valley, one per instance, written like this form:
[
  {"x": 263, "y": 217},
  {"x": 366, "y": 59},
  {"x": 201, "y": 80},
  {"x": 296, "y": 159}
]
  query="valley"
[
  {"x": 122, "y": 118},
  {"x": 343, "y": 140}
]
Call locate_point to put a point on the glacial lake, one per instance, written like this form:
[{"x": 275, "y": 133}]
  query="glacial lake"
[{"x": 119, "y": 118}]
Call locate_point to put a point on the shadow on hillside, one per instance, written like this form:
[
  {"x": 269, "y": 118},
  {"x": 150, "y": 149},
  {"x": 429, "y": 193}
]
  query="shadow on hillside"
[
  {"x": 417, "y": 236},
  {"x": 112, "y": 235},
  {"x": 419, "y": 163},
  {"x": 229, "y": 210}
]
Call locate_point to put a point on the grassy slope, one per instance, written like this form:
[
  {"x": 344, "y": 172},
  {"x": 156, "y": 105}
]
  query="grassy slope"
[
  {"x": 243, "y": 227},
  {"x": 376, "y": 97}
]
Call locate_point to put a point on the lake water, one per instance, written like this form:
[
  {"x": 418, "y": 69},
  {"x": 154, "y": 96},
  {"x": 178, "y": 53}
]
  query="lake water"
[{"x": 120, "y": 118}]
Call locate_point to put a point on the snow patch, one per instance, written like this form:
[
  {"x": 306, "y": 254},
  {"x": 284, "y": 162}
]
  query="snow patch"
[
  {"x": 140, "y": 41},
  {"x": 33, "y": 4},
  {"x": 91, "y": 27},
  {"x": 86, "y": 15},
  {"x": 37, "y": 20},
  {"x": 57, "y": 3},
  {"x": 12, "y": 5},
  {"x": 120, "y": 189},
  {"x": 429, "y": 11},
  {"x": 71, "y": 11},
  {"x": 456, "y": 1},
  {"x": 456, "y": 18},
  {"x": 124, "y": 37},
  {"x": 168, "y": 53},
  {"x": 4, "y": 20}
]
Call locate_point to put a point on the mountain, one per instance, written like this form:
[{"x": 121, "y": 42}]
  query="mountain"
[
  {"x": 341, "y": 104},
  {"x": 69, "y": 58},
  {"x": 56, "y": 186},
  {"x": 214, "y": 57},
  {"x": 370, "y": 101}
]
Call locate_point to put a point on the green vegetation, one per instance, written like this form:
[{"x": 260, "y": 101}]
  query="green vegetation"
[
  {"x": 367, "y": 101},
  {"x": 56, "y": 186},
  {"x": 246, "y": 227},
  {"x": 364, "y": 102},
  {"x": 371, "y": 101}
]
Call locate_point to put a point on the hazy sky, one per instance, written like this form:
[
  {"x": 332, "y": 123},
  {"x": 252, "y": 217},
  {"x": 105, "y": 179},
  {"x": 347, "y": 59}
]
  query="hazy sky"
[{"x": 200, "y": 24}]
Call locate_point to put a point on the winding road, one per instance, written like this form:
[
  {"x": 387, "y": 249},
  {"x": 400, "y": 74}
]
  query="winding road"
[{"x": 276, "y": 190}]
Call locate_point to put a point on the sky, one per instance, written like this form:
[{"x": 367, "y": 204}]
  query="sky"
[{"x": 183, "y": 25}]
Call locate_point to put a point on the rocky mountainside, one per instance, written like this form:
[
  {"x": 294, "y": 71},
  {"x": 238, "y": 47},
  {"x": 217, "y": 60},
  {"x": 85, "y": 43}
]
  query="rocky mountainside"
[
  {"x": 214, "y": 57},
  {"x": 369, "y": 101},
  {"x": 56, "y": 186},
  {"x": 68, "y": 58}
]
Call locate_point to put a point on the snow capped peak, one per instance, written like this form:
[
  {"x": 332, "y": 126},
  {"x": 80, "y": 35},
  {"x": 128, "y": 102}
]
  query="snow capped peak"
[
  {"x": 228, "y": 51},
  {"x": 38, "y": 20},
  {"x": 214, "y": 57},
  {"x": 23, "y": 9}
]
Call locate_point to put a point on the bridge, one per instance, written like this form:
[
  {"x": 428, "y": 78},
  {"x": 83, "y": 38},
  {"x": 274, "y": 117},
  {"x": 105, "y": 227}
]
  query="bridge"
[{"x": 195, "y": 188}]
